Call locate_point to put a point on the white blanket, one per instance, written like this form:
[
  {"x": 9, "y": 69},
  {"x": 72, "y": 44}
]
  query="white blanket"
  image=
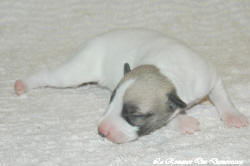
[{"x": 50, "y": 127}]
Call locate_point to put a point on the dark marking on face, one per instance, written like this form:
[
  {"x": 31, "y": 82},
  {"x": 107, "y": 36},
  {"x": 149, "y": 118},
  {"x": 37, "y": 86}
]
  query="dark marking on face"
[
  {"x": 149, "y": 122},
  {"x": 135, "y": 118},
  {"x": 126, "y": 68},
  {"x": 146, "y": 122}
]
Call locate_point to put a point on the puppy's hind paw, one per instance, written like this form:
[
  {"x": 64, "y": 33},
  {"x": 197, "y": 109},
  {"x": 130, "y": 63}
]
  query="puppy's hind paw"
[
  {"x": 20, "y": 87},
  {"x": 235, "y": 120}
]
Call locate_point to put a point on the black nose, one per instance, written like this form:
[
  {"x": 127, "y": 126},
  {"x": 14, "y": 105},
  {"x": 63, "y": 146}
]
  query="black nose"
[{"x": 99, "y": 133}]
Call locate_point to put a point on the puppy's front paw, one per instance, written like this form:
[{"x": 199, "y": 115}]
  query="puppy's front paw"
[
  {"x": 188, "y": 124},
  {"x": 235, "y": 120},
  {"x": 20, "y": 87}
]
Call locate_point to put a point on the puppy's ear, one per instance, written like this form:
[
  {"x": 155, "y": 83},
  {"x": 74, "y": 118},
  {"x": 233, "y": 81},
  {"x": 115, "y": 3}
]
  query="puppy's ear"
[
  {"x": 126, "y": 68},
  {"x": 175, "y": 102}
]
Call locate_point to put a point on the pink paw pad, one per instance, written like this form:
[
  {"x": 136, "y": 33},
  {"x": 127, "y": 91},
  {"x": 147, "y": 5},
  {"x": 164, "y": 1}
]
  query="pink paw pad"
[
  {"x": 188, "y": 125},
  {"x": 235, "y": 120},
  {"x": 19, "y": 87}
]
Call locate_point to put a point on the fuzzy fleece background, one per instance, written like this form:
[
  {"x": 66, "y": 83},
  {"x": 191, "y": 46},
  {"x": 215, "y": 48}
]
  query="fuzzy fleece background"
[{"x": 50, "y": 127}]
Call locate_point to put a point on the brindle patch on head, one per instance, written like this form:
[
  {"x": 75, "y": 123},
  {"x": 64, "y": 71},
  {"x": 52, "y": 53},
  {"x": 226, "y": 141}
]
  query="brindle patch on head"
[
  {"x": 150, "y": 88},
  {"x": 145, "y": 103}
]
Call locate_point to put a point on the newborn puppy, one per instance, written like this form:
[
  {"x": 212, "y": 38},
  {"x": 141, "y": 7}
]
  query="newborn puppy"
[{"x": 167, "y": 79}]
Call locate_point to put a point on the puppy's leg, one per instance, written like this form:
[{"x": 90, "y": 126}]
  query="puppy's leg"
[
  {"x": 187, "y": 124},
  {"x": 71, "y": 74},
  {"x": 228, "y": 113}
]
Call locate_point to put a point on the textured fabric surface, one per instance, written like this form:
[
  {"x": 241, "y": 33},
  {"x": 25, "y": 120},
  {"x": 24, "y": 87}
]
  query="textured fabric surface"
[{"x": 50, "y": 127}]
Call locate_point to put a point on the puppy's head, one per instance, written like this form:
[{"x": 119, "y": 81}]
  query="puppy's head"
[{"x": 142, "y": 102}]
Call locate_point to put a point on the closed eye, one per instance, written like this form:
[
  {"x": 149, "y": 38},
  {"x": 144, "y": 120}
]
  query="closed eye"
[
  {"x": 132, "y": 116},
  {"x": 136, "y": 115}
]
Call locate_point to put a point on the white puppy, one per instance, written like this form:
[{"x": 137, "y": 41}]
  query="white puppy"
[{"x": 168, "y": 78}]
